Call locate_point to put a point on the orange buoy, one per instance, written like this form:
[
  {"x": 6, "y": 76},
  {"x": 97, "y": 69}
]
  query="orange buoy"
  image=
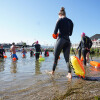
[
  {"x": 78, "y": 66},
  {"x": 40, "y": 56},
  {"x": 23, "y": 55},
  {"x": 95, "y": 64},
  {"x": 14, "y": 59},
  {"x": 81, "y": 58},
  {"x": 5, "y": 56}
]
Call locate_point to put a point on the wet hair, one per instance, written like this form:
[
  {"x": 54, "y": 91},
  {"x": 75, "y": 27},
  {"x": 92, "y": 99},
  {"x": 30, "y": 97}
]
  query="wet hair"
[{"x": 62, "y": 11}]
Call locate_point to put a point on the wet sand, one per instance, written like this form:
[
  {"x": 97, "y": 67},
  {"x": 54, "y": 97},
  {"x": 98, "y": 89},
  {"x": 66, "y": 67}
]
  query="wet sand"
[
  {"x": 42, "y": 86},
  {"x": 46, "y": 87}
]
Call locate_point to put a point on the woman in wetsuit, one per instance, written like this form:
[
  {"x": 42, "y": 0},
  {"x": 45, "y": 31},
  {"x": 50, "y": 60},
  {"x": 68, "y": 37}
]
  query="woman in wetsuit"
[
  {"x": 85, "y": 46},
  {"x": 65, "y": 27},
  {"x": 38, "y": 49}
]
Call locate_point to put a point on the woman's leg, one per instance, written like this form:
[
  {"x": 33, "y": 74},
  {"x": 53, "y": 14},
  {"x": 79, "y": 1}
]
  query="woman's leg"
[
  {"x": 57, "y": 51},
  {"x": 84, "y": 56},
  {"x": 37, "y": 56},
  {"x": 79, "y": 53},
  {"x": 66, "y": 52}
]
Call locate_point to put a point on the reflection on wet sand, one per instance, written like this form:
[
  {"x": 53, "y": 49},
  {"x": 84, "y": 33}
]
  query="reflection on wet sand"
[
  {"x": 13, "y": 67},
  {"x": 95, "y": 69},
  {"x": 1, "y": 66},
  {"x": 37, "y": 67}
]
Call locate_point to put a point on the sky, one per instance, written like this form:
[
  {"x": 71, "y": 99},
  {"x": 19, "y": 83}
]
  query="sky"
[{"x": 32, "y": 20}]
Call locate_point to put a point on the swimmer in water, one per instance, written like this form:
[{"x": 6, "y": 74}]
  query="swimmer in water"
[{"x": 13, "y": 51}]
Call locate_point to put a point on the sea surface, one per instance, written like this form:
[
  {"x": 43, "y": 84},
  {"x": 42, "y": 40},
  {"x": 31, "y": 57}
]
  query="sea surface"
[{"x": 26, "y": 79}]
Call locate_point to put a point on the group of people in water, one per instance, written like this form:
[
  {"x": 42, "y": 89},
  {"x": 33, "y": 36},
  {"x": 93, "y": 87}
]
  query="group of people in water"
[
  {"x": 24, "y": 51},
  {"x": 65, "y": 27}
]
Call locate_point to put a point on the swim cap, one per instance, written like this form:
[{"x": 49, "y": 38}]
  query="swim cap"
[
  {"x": 83, "y": 34},
  {"x": 37, "y": 42}
]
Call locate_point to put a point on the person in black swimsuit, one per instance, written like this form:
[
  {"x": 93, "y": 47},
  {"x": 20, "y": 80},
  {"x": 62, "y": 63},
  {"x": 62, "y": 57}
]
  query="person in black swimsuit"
[
  {"x": 38, "y": 49},
  {"x": 65, "y": 27},
  {"x": 2, "y": 51},
  {"x": 85, "y": 45}
]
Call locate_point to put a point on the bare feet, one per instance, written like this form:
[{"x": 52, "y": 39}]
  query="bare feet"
[
  {"x": 69, "y": 76},
  {"x": 52, "y": 72}
]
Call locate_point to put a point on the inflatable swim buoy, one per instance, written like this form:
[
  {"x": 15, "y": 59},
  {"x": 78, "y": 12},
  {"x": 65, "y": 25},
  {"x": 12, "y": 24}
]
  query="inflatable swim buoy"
[
  {"x": 95, "y": 64},
  {"x": 78, "y": 66},
  {"x": 81, "y": 58},
  {"x": 41, "y": 59},
  {"x": 14, "y": 59},
  {"x": 5, "y": 56},
  {"x": 23, "y": 56},
  {"x": 40, "y": 56}
]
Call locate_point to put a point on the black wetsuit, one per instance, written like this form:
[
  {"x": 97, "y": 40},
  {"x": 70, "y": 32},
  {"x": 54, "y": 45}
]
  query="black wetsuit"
[
  {"x": 65, "y": 27},
  {"x": 38, "y": 50},
  {"x": 79, "y": 50},
  {"x": 31, "y": 53},
  {"x": 1, "y": 53},
  {"x": 84, "y": 44},
  {"x": 46, "y": 53}
]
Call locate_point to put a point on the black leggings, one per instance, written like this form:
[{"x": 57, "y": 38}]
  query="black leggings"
[
  {"x": 37, "y": 56},
  {"x": 62, "y": 44},
  {"x": 84, "y": 52},
  {"x": 79, "y": 53}
]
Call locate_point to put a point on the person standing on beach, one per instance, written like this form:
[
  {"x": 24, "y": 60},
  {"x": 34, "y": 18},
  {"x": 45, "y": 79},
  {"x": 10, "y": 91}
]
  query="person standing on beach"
[
  {"x": 85, "y": 46},
  {"x": 38, "y": 49},
  {"x": 13, "y": 51},
  {"x": 65, "y": 27},
  {"x": 2, "y": 52}
]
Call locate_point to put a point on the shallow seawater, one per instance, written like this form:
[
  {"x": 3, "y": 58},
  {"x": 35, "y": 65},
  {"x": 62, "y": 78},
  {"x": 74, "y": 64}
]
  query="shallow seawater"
[{"x": 26, "y": 79}]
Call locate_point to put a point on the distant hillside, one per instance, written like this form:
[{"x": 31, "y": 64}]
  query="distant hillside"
[{"x": 95, "y": 37}]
